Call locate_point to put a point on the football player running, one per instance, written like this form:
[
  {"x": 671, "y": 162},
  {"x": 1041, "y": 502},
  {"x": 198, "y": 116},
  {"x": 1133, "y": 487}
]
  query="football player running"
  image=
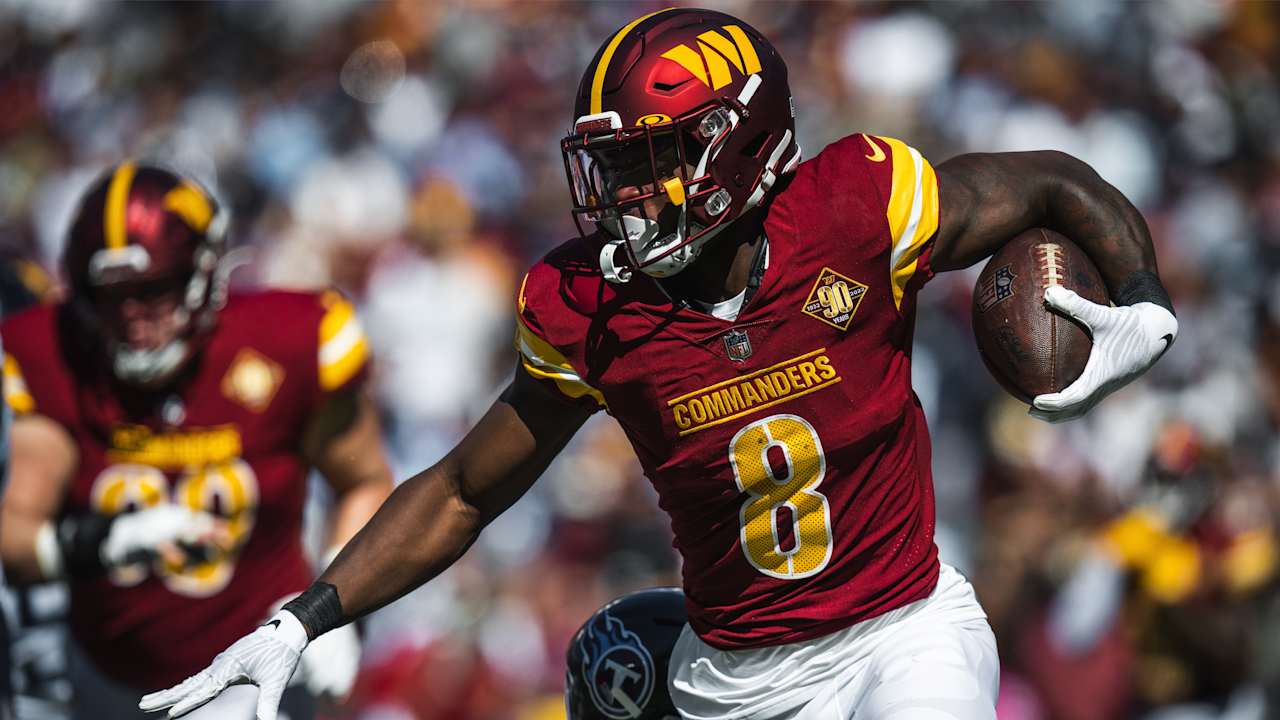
[
  {"x": 747, "y": 318},
  {"x": 163, "y": 435}
]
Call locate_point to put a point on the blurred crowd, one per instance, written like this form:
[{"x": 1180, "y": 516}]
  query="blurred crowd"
[{"x": 407, "y": 153}]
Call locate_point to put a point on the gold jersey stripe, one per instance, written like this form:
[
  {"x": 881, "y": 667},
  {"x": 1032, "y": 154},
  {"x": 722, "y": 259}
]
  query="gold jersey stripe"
[
  {"x": 334, "y": 374},
  {"x": 113, "y": 220},
  {"x": 597, "y": 82},
  {"x": 912, "y": 212},
  {"x": 343, "y": 346},
  {"x": 336, "y": 317},
  {"x": 541, "y": 360},
  {"x": 16, "y": 393},
  {"x": 520, "y": 301}
]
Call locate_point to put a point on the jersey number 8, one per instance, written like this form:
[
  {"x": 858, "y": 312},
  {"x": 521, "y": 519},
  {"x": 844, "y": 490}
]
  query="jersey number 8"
[{"x": 801, "y": 454}]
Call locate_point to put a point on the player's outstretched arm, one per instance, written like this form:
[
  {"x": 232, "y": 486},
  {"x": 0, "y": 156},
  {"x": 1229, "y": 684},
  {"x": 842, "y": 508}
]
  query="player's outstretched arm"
[
  {"x": 426, "y": 524},
  {"x": 988, "y": 199},
  {"x": 433, "y": 517},
  {"x": 343, "y": 440}
]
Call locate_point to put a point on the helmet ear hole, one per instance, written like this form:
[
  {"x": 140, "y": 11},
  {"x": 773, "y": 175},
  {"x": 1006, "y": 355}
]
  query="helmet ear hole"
[{"x": 755, "y": 147}]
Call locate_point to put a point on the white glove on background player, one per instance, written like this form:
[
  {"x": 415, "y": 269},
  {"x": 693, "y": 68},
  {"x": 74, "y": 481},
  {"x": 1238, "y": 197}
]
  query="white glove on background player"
[
  {"x": 159, "y": 531},
  {"x": 1126, "y": 341},
  {"x": 265, "y": 657}
]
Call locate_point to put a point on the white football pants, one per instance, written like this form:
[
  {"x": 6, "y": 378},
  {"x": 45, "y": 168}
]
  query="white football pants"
[{"x": 934, "y": 659}]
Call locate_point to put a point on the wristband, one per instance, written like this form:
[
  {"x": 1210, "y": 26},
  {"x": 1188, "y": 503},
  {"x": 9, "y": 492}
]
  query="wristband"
[
  {"x": 318, "y": 608},
  {"x": 80, "y": 539},
  {"x": 1143, "y": 286},
  {"x": 48, "y": 552}
]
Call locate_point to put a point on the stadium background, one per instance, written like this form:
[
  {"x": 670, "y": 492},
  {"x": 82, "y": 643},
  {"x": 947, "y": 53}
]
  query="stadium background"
[{"x": 408, "y": 153}]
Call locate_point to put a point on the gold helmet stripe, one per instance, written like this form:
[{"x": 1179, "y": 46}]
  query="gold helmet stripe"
[
  {"x": 597, "y": 82},
  {"x": 750, "y": 60},
  {"x": 191, "y": 204},
  {"x": 723, "y": 46},
  {"x": 690, "y": 60},
  {"x": 117, "y": 198}
]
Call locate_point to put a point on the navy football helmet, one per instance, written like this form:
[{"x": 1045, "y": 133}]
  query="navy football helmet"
[{"x": 617, "y": 661}]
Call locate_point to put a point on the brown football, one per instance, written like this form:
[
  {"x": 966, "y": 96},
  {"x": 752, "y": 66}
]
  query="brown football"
[{"x": 1029, "y": 349}]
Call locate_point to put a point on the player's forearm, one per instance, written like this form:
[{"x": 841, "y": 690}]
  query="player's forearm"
[
  {"x": 354, "y": 507},
  {"x": 344, "y": 442},
  {"x": 42, "y": 459},
  {"x": 422, "y": 528},
  {"x": 1098, "y": 217},
  {"x": 433, "y": 517},
  {"x": 18, "y": 535},
  {"x": 989, "y": 198}
]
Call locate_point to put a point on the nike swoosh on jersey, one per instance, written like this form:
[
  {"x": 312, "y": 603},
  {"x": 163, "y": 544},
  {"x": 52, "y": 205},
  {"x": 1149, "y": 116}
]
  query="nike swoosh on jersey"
[
  {"x": 879, "y": 154},
  {"x": 273, "y": 623}
]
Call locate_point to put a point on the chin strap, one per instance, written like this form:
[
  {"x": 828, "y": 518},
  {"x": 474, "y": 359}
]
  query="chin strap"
[
  {"x": 613, "y": 272},
  {"x": 771, "y": 171}
]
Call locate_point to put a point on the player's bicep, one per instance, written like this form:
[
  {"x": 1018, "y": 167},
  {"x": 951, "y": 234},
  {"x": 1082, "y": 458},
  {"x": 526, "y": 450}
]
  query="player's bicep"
[
  {"x": 343, "y": 440},
  {"x": 512, "y": 445},
  {"x": 42, "y": 458},
  {"x": 986, "y": 199}
]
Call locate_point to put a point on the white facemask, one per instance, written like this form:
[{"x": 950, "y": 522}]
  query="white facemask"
[
  {"x": 143, "y": 367},
  {"x": 641, "y": 235}
]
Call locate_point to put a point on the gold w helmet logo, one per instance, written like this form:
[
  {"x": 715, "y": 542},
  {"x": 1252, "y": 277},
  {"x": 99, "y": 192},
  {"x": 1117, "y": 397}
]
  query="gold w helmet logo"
[{"x": 710, "y": 62}]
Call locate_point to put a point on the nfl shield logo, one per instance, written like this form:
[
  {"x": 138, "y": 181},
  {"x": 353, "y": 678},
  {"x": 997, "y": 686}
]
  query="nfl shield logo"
[{"x": 737, "y": 345}]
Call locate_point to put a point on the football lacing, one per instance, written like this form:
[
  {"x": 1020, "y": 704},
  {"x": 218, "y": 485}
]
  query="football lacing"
[{"x": 1050, "y": 264}]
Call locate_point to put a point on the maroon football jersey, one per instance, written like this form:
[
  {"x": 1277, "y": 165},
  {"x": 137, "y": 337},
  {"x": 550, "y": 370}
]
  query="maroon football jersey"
[
  {"x": 226, "y": 440},
  {"x": 786, "y": 445}
]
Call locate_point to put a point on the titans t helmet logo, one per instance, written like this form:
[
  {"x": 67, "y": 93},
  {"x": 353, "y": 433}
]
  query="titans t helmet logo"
[{"x": 619, "y": 669}]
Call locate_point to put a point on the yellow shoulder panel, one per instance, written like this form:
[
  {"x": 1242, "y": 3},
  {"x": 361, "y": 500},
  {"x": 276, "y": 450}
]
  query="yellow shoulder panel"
[
  {"x": 543, "y": 361},
  {"x": 16, "y": 394},
  {"x": 343, "y": 345},
  {"x": 912, "y": 212}
]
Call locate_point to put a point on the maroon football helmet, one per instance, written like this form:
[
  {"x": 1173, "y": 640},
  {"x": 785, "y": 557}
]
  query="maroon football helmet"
[
  {"x": 684, "y": 121},
  {"x": 145, "y": 238}
]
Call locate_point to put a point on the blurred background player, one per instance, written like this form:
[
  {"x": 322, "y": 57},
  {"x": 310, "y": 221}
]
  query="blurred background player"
[
  {"x": 21, "y": 284},
  {"x": 163, "y": 436},
  {"x": 618, "y": 660}
]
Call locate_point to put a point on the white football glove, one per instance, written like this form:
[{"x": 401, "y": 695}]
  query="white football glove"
[
  {"x": 265, "y": 657},
  {"x": 1126, "y": 341},
  {"x": 159, "y": 530},
  {"x": 330, "y": 663}
]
